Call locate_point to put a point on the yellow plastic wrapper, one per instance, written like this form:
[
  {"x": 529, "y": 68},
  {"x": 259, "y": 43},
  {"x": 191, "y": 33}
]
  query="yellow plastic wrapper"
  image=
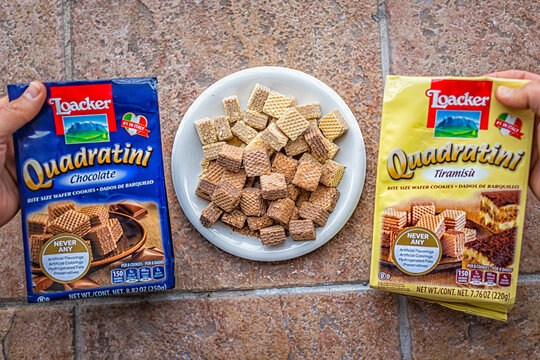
[{"x": 450, "y": 199}]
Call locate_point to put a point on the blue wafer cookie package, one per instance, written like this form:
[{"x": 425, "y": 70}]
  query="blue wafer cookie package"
[{"x": 92, "y": 192}]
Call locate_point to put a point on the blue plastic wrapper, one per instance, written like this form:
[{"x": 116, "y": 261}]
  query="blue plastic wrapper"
[{"x": 91, "y": 183}]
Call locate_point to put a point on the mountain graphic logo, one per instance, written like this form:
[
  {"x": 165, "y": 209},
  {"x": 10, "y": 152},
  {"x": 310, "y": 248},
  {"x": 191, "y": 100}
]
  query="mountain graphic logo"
[
  {"x": 86, "y": 129},
  {"x": 457, "y": 124}
]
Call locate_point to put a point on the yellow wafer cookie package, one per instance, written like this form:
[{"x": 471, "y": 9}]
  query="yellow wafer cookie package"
[{"x": 450, "y": 199}]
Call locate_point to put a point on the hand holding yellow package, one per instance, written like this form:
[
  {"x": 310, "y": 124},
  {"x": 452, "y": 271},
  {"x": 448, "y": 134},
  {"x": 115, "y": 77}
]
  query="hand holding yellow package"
[{"x": 450, "y": 198}]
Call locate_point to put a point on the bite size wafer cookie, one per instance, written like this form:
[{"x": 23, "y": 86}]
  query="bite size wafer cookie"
[
  {"x": 303, "y": 196},
  {"x": 421, "y": 208},
  {"x": 307, "y": 176},
  {"x": 454, "y": 219},
  {"x": 237, "y": 179},
  {"x": 204, "y": 168},
  {"x": 296, "y": 147},
  {"x": 389, "y": 236},
  {"x": 301, "y": 230},
  {"x": 284, "y": 165},
  {"x": 115, "y": 228},
  {"x": 205, "y": 189},
  {"x": 452, "y": 243},
  {"x": 332, "y": 172},
  {"x": 258, "y": 143},
  {"x": 226, "y": 196},
  {"x": 206, "y": 131},
  {"x": 236, "y": 218},
  {"x": 316, "y": 141},
  {"x": 244, "y": 132},
  {"x": 274, "y": 137},
  {"x": 258, "y": 222},
  {"x": 36, "y": 243},
  {"x": 232, "y": 108},
  {"x": 98, "y": 214},
  {"x": 293, "y": 192},
  {"x": 256, "y": 119},
  {"x": 273, "y": 186},
  {"x": 59, "y": 208},
  {"x": 281, "y": 210},
  {"x": 332, "y": 152},
  {"x": 276, "y": 104},
  {"x": 101, "y": 240},
  {"x": 295, "y": 215},
  {"x": 310, "y": 110},
  {"x": 273, "y": 235},
  {"x": 470, "y": 234},
  {"x": 433, "y": 223},
  {"x": 235, "y": 141},
  {"x": 223, "y": 128},
  {"x": 211, "y": 151},
  {"x": 307, "y": 157},
  {"x": 72, "y": 222},
  {"x": 292, "y": 123},
  {"x": 37, "y": 224},
  {"x": 257, "y": 162},
  {"x": 258, "y": 97},
  {"x": 214, "y": 172},
  {"x": 325, "y": 197},
  {"x": 393, "y": 219},
  {"x": 333, "y": 125},
  {"x": 252, "y": 203},
  {"x": 314, "y": 213},
  {"x": 230, "y": 157},
  {"x": 210, "y": 215}
]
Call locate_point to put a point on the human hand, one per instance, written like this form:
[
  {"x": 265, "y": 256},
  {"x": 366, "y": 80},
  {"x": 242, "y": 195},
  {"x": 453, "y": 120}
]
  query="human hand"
[
  {"x": 525, "y": 97},
  {"x": 13, "y": 115}
]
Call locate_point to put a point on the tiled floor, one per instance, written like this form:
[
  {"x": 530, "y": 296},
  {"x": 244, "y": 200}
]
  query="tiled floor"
[{"x": 223, "y": 306}]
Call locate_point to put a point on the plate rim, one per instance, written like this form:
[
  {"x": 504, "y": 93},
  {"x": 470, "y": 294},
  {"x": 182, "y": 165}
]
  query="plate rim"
[{"x": 213, "y": 235}]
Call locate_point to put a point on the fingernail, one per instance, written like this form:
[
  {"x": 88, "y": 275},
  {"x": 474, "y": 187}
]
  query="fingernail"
[
  {"x": 504, "y": 91},
  {"x": 32, "y": 91}
]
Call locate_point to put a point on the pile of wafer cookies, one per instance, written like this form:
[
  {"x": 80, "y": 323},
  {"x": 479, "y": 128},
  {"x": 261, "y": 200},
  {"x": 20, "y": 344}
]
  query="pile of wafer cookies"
[{"x": 269, "y": 169}]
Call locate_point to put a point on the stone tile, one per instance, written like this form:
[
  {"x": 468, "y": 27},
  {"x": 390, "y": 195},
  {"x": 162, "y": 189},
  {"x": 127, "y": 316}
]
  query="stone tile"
[
  {"x": 465, "y": 38},
  {"x": 530, "y": 251},
  {"x": 276, "y": 327},
  {"x": 37, "y": 333},
  {"x": 188, "y": 47},
  {"x": 436, "y": 330},
  {"x": 32, "y": 48}
]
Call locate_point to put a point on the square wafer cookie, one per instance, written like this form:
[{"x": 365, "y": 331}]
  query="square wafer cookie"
[
  {"x": 332, "y": 172},
  {"x": 231, "y": 104},
  {"x": 389, "y": 236},
  {"x": 273, "y": 186},
  {"x": 205, "y": 189},
  {"x": 470, "y": 234},
  {"x": 215, "y": 172},
  {"x": 230, "y": 157},
  {"x": 210, "y": 215},
  {"x": 421, "y": 208},
  {"x": 252, "y": 203},
  {"x": 222, "y": 127},
  {"x": 226, "y": 196},
  {"x": 301, "y": 230},
  {"x": 98, "y": 214},
  {"x": 296, "y": 147},
  {"x": 244, "y": 132},
  {"x": 276, "y": 104},
  {"x": 393, "y": 219},
  {"x": 237, "y": 179},
  {"x": 236, "y": 218},
  {"x": 284, "y": 165},
  {"x": 258, "y": 222},
  {"x": 332, "y": 152},
  {"x": 292, "y": 123},
  {"x": 101, "y": 240},
  {"x": 454, "y": 219},
  {"x": 36, "y": 244},
  {"x": 273, "y": 235},
  {"x": 59, "y": 208},
  {"x": 433, "y": 223},
  {"x": 310, "y": 110},
  {"x": 211, "y": 151},
  {"x": 314, "y": 213},
  {"x": 325, "y": 197},
  {"x": 274, "y": 137},
  {"x": 293, "y": 192},
  {"x": 333, "y": 125},
  {"x": 37, "y": 223},
  {"x": 206, "y": 131},
  {"x": 256, "y": 119},
  {"x": 258, "y": 97},
  {"x": 303, "y": 196},
  {"x": 452, "y": 243},
  {"x": 72, "y": 222},
  {"x": 281, "y": 210},
  {"x": 257, "y": 162},
  {"x": 316, "y": 141},
  {"x": 258, "y": 143},
  {"x": 307, "y": 176},
  {"x": 115, "y": 228},
  {"x": 307, "y": 157}
]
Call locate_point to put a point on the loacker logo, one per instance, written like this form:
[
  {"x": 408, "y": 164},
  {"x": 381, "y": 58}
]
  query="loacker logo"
[
  {"x": 83, "y": 104},
  {"x": 458, "y": 108}
]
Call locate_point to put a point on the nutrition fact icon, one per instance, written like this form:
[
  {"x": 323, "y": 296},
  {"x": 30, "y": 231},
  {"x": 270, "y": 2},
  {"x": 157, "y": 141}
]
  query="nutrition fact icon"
[
  {"x": 65, "y": 258},
  {"x": 416, "y": 251}
]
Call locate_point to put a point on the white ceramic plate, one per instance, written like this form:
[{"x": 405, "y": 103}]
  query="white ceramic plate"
[{"x": 187, "y": 155}]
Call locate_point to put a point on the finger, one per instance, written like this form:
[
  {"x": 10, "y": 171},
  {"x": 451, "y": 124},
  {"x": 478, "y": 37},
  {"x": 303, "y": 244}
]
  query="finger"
[
  {"x": 3, "y": 101},
  {"x": 18, "y": 112},
  {"x": 514, "y": 74},
  {"x": 525, "y": 97}
]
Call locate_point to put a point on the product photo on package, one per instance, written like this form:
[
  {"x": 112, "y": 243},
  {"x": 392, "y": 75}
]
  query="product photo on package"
[{"x": 94, "y": 209}]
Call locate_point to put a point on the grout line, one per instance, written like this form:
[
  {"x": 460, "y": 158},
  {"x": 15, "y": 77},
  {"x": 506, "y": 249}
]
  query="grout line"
[
  {"x": 78, "y": 338},
  {"x": 528, "y": 278},
  {"x": 384, "y": 39},
  {"x": 66, "y": 17},
  {"x": 405, "y": 340}
]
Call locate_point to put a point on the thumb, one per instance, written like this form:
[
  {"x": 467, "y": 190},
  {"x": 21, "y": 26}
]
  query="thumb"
[
  {"x": 525, "y": 97},
  {"x": 18, "y": 112}
]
